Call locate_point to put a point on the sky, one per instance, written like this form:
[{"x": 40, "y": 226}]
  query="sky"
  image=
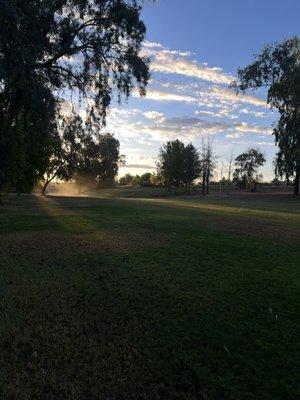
[{"x": 196, "y": 47}]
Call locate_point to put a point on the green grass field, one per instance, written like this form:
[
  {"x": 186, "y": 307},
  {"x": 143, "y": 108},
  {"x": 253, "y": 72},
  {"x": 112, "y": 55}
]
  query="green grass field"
[{"x": 134, "y": 295}]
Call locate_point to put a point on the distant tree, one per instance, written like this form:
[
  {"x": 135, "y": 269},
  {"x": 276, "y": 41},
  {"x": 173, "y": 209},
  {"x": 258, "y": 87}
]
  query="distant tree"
[
  {"x": 109, "y": 159},
  {"x": 222, "y": 179},
  {"x": 164, "y": 164},
  {"x": 136, "y": 180},
  {"x": 146, "y": 179},
  {"x": 126, "y": 180},
  {"x": 192, "y": 165},
  {"x": 156, "y": 180},
  {"x": 230, "y": 160},
  {"x": 90, "y": 47},
  {"x": 171, "y": 163},
  {"x": 277, "y": 67},
  {"x": 208, "y": 164},
  {"x": 246, "y": 168}
]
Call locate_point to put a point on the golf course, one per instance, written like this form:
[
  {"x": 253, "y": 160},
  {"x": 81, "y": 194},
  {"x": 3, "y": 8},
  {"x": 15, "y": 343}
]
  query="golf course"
[{"x": 131, "y": 294}]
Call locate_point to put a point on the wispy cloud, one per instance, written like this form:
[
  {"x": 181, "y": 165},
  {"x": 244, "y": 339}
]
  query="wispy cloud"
[
  {"x": 164, "y": 60},
  {"x": 166, "y": 96}
]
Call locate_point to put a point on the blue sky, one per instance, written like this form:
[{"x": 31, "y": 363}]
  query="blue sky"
[{"x": 195, "y": 48}]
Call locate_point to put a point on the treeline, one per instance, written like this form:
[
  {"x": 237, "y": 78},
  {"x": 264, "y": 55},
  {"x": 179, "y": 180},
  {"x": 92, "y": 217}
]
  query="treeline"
[{"x": 181, "y": 165}]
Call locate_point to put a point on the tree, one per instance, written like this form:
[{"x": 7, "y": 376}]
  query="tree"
[
  {"x": 246, "y": 168},
  {"x": 99, "y": 161},
  {"x": 171, "y": 163},
  {"x": 277, "y": 68},
  {"x": 208, "y": 164},
  {"x": 126, "y": 180},
  {"x": 230, "y": 159},
  {"x": 81, "y": 153},
  {"x": 89, "y": 47},
  {"x": 66, "y": 151},
  {"x": 156, "y": 180},
  {"x": 136, "y": 180},
  {"x": 192, "y": 166},
  {"x": 146, "y": 179}
]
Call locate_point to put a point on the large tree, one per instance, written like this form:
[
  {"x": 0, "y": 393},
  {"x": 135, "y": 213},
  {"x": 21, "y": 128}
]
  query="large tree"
[
  {"x": 90, "y": 48},
  {"x": 277, "y": 68}
]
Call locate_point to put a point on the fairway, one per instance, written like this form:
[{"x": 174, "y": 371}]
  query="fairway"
[{"x": 131, "y": 294}]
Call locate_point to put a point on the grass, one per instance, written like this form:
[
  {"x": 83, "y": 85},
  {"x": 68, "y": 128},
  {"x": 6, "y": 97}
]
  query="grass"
[{"x": 136, "y": 296}]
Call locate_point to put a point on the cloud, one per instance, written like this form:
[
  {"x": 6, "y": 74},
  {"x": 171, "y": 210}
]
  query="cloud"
[
  {"x": 148, "y": 127},
  {"x": 165, "y": 96},
  {"x": 152, "y": 45},
  {"x": 140, "y": 166},
  {"x": 224, "y": 112},
  {"x": 224, "y": 101},
  {"x": 255, "y": 143},
  {"x": 154, "y": 115},
  {"x": 229, "y": 95},
  {"x": 167, "y": 62},
  {"x": 245, "y": 127},
  {"x": 176, "y": 62},
  {"x": 257, "y": 114}
]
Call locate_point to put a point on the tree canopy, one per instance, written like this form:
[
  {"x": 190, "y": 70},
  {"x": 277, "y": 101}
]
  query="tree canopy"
[
  {"x": 246, "y": 168},
  {"x": 90, "y": 48},
  {"x": 277, "y": 68},
  {"x": 178, "y": 164}
]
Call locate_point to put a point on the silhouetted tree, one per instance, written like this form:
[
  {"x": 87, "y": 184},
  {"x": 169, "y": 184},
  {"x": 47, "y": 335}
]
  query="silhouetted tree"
[
  {"x": 246, "y": 168},
  {"x": 90, "y": 47},
  {"x": 230, "y": 159},
  {"x": 99, "y": 161},
  {"x": 208, "y": 164},
  {"x": 171, "y": 163},
  {"x": 66, "y": 151},
  {"x": 146, "y": 179},
  {"x": 277, "y": 67},
  {"x": 192, "y": 165},
  {"x": 81, "y": 153}
]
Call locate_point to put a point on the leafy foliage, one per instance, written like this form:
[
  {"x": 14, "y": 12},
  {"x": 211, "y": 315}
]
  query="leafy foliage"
[
  {"x": 83, "y": 154},
  {"x": 277, "y": 67},
  {"x": 89, "y": 47},
  {"x": 178, "y": 164},
  {"x": 247, "y": 165}
]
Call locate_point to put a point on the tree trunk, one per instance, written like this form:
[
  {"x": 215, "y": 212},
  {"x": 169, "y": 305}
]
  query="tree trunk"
[
  {"x": 45, "y": 187},
  {"x": 203, "y": 183},
  {"x": 207, "y": 181},
  {"x": 297, "y": 179}
]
